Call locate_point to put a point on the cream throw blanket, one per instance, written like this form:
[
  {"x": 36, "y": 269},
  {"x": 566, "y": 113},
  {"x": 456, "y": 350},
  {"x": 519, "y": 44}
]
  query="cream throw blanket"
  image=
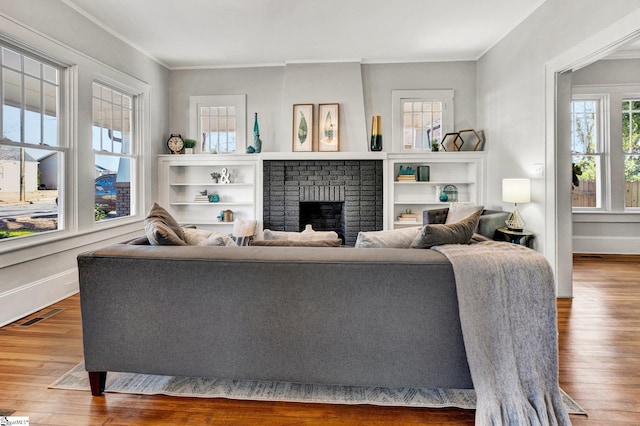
[{"x": 506, "y": 297}]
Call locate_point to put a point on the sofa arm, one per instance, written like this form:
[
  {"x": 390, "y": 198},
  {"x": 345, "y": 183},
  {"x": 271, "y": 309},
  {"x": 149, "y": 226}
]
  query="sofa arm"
[
  {"x": 491, "y": 220},
  {"x": 434, "y": 216}
]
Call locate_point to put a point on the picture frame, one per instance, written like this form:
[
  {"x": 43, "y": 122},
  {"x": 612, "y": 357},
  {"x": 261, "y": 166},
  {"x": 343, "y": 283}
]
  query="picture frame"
[
  {"x": 303, "y": 128},
  {"x": 452, "y": 142},
  {"x": 329, "y": 127}
]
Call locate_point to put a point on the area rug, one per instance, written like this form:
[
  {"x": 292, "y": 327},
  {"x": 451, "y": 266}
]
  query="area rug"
[{"x": 144, "y": 384}]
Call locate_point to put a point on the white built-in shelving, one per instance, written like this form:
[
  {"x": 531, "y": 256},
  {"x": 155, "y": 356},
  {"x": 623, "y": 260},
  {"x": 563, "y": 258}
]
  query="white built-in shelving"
[
  {"x": 464, "y": 170},
  {"x": 181, "y": 178}
]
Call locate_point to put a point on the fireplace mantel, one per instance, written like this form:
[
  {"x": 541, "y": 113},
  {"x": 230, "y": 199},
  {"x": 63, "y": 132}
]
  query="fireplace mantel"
[{"x": 364, "y": 155}]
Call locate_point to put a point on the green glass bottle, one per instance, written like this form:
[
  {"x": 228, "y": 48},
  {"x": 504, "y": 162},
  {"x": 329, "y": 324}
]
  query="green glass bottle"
[{"x": 257, "y": 142}]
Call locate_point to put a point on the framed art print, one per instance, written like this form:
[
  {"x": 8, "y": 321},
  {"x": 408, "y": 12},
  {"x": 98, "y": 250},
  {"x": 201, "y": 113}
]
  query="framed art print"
[
  {"x": 328, "y": 127},
  {"x": 303, "y": 128}
]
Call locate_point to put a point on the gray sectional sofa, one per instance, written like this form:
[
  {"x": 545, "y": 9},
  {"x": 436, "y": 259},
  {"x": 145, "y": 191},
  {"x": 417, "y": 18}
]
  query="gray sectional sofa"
[{"x": 350, "y": 316}]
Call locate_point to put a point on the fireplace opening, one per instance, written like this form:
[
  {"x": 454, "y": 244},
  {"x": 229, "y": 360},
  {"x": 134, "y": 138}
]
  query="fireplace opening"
[{"x": 323, "y": 216}]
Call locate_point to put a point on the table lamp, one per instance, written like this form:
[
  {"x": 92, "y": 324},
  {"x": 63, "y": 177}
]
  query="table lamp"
[{"x": 516, "y": 191}]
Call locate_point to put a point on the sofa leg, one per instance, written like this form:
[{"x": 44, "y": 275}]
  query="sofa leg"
[{"x": 97, "y": 380}]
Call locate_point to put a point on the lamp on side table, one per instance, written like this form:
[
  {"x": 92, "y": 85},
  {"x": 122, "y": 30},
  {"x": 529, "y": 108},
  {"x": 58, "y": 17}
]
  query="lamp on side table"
[{"x": 516, "y": 191}]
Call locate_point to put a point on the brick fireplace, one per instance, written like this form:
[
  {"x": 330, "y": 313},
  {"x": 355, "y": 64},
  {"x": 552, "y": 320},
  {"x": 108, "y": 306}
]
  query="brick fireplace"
[{"x": 347, "y": 196}]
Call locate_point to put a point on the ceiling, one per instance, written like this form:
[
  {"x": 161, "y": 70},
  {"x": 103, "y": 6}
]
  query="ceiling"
[{"x": 221, "y": 33}]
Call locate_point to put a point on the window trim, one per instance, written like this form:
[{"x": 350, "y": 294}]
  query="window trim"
[
  {"x": 398, "y": 97},
  {"x": 237, "y": 101}
]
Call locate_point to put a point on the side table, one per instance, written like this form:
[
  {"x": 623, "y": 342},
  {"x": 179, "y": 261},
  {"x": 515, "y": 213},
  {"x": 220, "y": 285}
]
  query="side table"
[{"x": 523, "y": 237}]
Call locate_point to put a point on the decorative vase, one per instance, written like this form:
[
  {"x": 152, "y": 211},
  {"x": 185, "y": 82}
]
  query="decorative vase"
[
  {"x": 444, "y": 197},
  {"x": 256, "y": 136},
  {"x": 376, "y": 134},
  {"x": 188, "y": 150}
]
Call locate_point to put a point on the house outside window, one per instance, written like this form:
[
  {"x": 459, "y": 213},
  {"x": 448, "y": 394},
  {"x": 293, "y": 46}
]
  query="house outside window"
[
  {"x": 587, "y": 148},
  {"x": 114, "y": 152},
  {"x": 32, "y": 149}
]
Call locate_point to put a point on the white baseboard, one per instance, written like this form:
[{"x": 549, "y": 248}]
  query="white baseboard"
[
  {"x": 27, "y": 299},
  {"x": 606, "y": 245}
]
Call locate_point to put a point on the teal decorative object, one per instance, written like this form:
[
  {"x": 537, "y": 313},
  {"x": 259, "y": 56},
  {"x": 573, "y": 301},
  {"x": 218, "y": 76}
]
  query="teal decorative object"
[
  {"x": 257, "y": 142},
  {"x": 444, "y": 197},
  {"x": 214, "y": 198}
]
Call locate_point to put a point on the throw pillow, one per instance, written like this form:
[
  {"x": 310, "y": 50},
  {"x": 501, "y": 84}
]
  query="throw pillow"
[
  {"x": 300, "y": 236},
  {"x": 202, "y": 237},
  {"x": 162, "y": 229},
  {"x": 454, "y": 233},
  {"x": 458, "y": 211},
  {"x": 159, "y": 234},
  {"x": 395, "y": 238}
]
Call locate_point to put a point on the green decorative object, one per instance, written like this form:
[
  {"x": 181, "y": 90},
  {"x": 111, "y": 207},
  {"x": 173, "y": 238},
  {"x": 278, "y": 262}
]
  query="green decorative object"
[{"x": 257, "y": 142}]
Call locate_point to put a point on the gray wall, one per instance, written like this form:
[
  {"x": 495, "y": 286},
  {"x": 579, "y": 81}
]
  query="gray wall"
[
  {"x": 512, "y": 108},
  {"x": 361, "y": 90},
  {"x": 29, "y": 276}
]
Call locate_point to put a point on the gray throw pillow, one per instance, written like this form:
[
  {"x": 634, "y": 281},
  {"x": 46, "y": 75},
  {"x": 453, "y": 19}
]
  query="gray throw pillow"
[
  {"x": 162, "y": 229},
  {"x": 159, "y": 234},
  {"x": 454, "y": 233},
  {"x": 393, "y": 238}
]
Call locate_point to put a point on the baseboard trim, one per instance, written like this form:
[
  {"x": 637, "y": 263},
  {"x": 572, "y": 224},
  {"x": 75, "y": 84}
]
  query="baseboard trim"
[
  {"x": 27, "y": 299},
  {"x": 606, "y": 245}
]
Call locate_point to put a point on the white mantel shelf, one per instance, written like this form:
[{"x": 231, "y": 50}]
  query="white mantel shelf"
[
  {"x": 365, "y": 155},
  {"x": 353, "y": 155}
]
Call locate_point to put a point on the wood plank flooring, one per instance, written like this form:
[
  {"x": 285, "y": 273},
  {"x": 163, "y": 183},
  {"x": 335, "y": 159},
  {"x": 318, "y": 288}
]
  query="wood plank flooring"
[{"x": 599, "y": 367}]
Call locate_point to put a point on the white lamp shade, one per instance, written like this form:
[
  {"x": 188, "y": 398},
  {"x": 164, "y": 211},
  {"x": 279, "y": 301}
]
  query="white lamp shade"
[{"x": 516, "y": 190}]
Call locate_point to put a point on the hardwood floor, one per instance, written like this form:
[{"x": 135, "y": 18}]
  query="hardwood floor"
[{"x": 599, "y": 367}]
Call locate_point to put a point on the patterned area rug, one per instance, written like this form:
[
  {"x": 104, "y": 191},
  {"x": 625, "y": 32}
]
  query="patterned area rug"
[{"x": 78, "y": 379}]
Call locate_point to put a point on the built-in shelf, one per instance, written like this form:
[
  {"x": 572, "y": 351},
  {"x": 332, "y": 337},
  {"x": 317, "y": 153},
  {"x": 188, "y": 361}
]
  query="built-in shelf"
[
  {"x": 464, "y": 170},
  {"x": 182, "y": 178}
]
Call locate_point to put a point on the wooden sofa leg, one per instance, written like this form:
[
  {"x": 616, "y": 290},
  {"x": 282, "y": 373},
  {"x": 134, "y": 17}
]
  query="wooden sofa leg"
[{"x": 97, "y": 380}]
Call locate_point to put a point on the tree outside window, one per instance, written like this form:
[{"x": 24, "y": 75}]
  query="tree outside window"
[
  {"x": 631, "y": 150},
  {"x": 586, "y": 147}
]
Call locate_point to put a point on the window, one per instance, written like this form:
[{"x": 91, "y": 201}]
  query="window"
[
  {"x": 113, "y": 145},
  {"x": 32, "y": 151},
  {"x": 421, "y": 118},
  {"x": 219, "y": 122},
  {"x": 631, "y": 151},
  {"x": 587, "y": 148}
]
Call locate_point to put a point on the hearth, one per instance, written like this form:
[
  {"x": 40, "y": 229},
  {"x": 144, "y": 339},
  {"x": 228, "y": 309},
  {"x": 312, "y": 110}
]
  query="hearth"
[{"x": 356, "y": 184}]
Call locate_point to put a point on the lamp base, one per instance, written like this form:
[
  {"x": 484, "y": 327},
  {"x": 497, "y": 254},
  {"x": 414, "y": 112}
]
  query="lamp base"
[{"x": 515, "y": 222}]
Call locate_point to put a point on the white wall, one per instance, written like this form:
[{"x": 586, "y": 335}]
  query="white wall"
[
  {"x": 32, "y": 277},
  {"x": 512, "y": 107},
  {"x": 361, "y": 90}
]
